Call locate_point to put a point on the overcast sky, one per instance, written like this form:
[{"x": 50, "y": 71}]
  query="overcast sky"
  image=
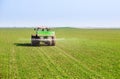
[{"x": 75, "y": 13}]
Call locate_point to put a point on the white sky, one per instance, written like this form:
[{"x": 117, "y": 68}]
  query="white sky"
[{"x": 75, "y": 13}]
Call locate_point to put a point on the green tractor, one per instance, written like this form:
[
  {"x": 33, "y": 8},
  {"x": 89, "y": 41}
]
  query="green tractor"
[{"x": 43, "y": 36}]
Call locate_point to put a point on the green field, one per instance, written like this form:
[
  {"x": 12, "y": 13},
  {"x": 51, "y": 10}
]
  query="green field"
[{"x": 78, "y": 54}]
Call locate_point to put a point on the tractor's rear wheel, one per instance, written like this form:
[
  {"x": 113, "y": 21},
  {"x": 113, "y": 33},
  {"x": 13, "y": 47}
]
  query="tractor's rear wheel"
[
  {"x": 53, "y": 41},
  {"x": 35, "y": 40},
  {"x": 49, "y": 41}
]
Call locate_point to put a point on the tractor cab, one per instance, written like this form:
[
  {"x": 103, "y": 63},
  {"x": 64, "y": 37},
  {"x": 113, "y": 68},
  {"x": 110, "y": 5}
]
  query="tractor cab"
[{"x": 41, "y": 29}]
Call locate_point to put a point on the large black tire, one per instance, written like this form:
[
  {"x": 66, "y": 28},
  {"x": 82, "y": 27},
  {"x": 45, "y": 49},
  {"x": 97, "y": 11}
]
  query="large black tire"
[
  {"x": 35, "y": 40},
  {"x": 53, "y": 41},
  {"x": 49, "y": 41}
]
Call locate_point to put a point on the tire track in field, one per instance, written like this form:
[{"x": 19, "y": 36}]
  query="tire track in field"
[
  {"x": 31, "y": 62},
  {"x": 32, "y": 56},
  {"x": 39, "y": 64},
  {"x": 13, "y": 69},
  {"x": 83, "y": 67},
  {"x": 69, "y": 61},
  {"x": 4, "y": 63},
  {"x": 23, "y": 63},
  {"x": 35, "y": 62},
  {"x": 72, "y": 58},
  {"x": 102, "y": 51},
  {"x": 59, "y": 70},
  {"x": 46, "y": 61},
  {"x": 93, "y": 58},
  {"x": 69, "y": 58}
]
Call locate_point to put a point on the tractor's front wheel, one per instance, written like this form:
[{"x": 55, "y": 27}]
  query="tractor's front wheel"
[{"x": 49, "y": 41}]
